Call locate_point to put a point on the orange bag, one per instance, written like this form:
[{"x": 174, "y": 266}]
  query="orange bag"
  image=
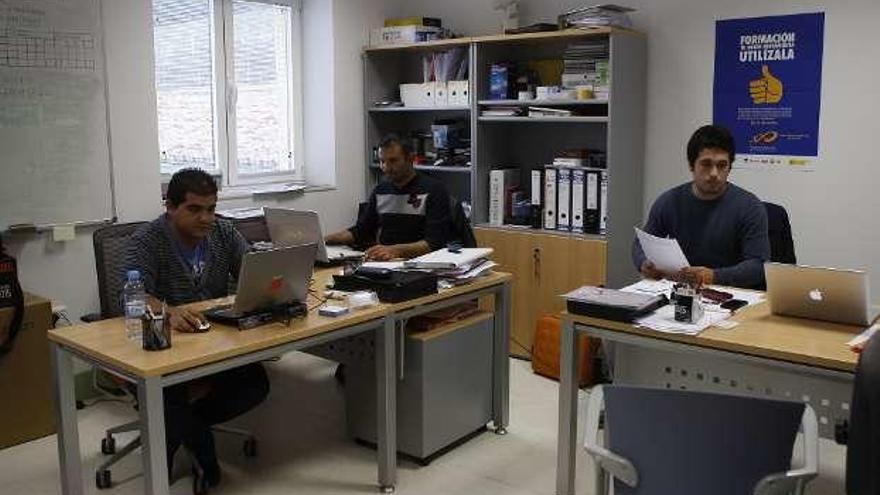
[{"x": 545, "y": 353}]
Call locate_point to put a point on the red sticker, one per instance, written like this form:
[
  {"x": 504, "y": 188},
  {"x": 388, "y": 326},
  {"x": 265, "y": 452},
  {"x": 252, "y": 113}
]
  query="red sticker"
[{"x": 277, "y": 284}]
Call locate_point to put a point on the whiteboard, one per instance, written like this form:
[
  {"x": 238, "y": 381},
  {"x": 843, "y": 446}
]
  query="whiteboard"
[{"x": 54, "y": 140}]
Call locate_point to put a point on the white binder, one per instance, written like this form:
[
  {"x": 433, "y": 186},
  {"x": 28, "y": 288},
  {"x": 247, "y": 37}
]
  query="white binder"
[
  {"x": 577, "y": 200},
  {"x": 550, "y": 198},
  {"x": 563, "y": 200}
]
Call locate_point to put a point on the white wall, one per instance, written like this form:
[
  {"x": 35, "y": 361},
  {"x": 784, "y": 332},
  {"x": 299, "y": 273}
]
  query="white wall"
[
  {"x": 336, "y": 30},
  {"x": 833, "y": 209}
]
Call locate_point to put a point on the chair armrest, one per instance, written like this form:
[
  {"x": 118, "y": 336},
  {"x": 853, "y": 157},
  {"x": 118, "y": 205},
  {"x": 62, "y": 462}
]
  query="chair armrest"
[
  {"x": 795, "y": 480},
  {"x": 606, "y": 460},
  {"x": 617, "y": 466},
  {"x": 91, "y": 318}
]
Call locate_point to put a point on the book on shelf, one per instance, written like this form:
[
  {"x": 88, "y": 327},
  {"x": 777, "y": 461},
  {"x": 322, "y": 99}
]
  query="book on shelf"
[{"x": 549, "y": 112}]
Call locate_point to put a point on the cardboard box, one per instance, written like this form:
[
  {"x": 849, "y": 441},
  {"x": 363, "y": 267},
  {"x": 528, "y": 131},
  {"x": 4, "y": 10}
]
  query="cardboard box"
[
  {"x": 28, "y": 410},
  {"x": 414, "y": 21},
  {"x": 403, "y": 34}
]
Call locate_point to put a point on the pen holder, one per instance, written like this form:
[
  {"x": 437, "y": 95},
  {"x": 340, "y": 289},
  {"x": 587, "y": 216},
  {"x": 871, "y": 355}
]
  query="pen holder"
[
  {"x": 688, "y": 308},
  {"x": 156, "y": 333}
]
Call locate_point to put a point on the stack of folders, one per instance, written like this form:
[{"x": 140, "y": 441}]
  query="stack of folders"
[
  {"x": 573, "y": 199},
  {"x": 454, "y": 267}
]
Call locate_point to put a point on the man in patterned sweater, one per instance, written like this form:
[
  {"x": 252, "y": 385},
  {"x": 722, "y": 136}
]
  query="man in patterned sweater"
[
  {"x": 407, "y": 215},
  {"x": 188, "y": 255}
]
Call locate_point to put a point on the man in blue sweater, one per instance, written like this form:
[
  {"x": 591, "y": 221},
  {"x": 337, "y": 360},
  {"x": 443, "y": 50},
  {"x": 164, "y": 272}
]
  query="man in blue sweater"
[{"x": 721, "y": 228}]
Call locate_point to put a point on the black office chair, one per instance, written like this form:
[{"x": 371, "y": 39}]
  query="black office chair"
[
  {"x": 462, "y": 232},
  {"x": 779, "y": 230},
  {"x": 253, "y": 229},
  {"x": 111, "y": 244}
]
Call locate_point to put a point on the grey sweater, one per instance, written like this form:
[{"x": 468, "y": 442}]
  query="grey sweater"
[
  {"x": 728, "y": 234},
  {"x": 154, "y": 252}
]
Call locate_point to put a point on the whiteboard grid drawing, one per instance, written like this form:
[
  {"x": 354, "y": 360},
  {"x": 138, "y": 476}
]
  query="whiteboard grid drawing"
[{"x": 54, "y": 134}]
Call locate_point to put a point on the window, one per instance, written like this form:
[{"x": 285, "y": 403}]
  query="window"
[{"x": 228, "y": 88}]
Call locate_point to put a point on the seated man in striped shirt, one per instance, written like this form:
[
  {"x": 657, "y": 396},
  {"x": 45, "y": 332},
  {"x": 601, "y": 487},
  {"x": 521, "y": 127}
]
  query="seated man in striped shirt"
[
  {"x": 188, "y": 255},
  {"x": 407, "y": 216}
]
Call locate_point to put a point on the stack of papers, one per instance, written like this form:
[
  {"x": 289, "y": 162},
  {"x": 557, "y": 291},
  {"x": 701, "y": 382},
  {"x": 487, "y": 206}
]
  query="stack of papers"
[
  {"x": 503, "y": 111},
  {"x": 663, "y": 320},
  {"x": 666, "y": 254},
  {"x": 599, "y": 15},
  {"x": 455, "y": 268}
]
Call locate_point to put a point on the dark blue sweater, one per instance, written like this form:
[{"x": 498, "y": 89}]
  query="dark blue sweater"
[{"x": 728, "y": 234}]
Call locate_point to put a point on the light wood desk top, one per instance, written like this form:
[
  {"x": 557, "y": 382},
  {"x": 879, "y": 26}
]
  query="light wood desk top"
[
  {"x": 759, "y": 333},
  {"x": 106, "y": 341}
]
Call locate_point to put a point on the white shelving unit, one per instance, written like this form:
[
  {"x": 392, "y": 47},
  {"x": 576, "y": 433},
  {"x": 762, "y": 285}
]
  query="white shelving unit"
[{"x": 615, "y": 125}]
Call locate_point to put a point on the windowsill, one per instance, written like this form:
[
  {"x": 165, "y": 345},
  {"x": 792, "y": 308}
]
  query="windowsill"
[{"x": 257, "y": 190}]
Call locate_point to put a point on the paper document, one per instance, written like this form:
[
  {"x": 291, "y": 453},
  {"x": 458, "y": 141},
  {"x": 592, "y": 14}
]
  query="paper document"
[
  {"x": 648, "y": 286},
  {"x": 387, "y": 265},
  {"x": 666, "y": 254},
  {"x": 663, "y": 320}
]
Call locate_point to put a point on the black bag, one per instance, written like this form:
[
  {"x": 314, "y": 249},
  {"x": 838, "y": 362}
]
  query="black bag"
[
  {"x": 393, "y": 287},
  {"x": 12, "y": 296}
]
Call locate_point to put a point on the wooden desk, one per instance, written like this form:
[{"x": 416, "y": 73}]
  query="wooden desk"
[
  {"x": 191, "y": 356},
  {"x": 764, "y": 355}
]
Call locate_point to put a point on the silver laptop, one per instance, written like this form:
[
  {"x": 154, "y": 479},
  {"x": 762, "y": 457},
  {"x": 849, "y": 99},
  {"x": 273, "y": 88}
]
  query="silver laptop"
[
  {"x": 270, "y": 278},
  {"x": 840, "y": 296},
  {"x": 292, "y": 228}
]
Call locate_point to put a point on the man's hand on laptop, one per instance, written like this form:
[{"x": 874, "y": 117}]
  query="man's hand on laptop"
[
  {"x": 383, "y": 253},
  {"x": 184, "y": 320}
]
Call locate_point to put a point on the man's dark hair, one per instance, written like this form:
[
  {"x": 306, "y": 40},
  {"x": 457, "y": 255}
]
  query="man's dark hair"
[
  {"x": 189, "y": 180},
  {"x": 391, "y": 140},
  {"x": 710, "y": 136}
]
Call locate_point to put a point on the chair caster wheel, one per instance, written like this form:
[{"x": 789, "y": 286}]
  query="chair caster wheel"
[
  {"x": 250, "y": 447},
  {"x": 501, "y": 431},
  {"x": 200, "y": 485},
  {"x": 386, "y": 489},
  {"x": 108, "y": 445},
  {"x": 103, "y": 480}
]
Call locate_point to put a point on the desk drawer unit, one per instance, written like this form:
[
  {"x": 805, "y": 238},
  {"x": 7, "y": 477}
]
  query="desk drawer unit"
[{"x": 444, "y": 395}]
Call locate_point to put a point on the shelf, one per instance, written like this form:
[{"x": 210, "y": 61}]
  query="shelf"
[
  {"x": 417, "y": 109},
  {"x": 425, "y": 45},
  {"x": 539, "y": 120},
  {"x": 541, "y": 103},
  {"x": 503, "y": 38},
  {"x": 529, "y": 230},
  {"x": 431, "y": 168}
]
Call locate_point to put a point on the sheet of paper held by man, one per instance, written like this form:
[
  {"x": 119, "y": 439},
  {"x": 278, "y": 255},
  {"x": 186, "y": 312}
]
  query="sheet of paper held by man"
[{"x": 666, "y": 254}]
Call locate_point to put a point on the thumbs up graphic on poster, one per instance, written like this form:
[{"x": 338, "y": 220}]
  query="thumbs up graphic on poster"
[{"x": 767, "y": 89}]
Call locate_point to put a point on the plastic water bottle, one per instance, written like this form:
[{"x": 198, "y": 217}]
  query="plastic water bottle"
[{"x": 135, "y": 299}]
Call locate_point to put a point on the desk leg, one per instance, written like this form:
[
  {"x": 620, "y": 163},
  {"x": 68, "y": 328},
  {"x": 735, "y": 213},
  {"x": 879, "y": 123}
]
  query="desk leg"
[
  {"x": 152, "y": 412},
  {"x": 501, "y": 361},
  {"x": 65, "y": 413},
  {"x": 386, "y": 386},
  {"x": 568, "y": 389}
]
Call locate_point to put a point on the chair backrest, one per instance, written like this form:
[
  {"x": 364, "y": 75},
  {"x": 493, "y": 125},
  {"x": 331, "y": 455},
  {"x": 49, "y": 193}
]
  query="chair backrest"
[
  {"x": 461, "y": 225},
  {"x": 690, "y": 443},
  {"x": 253, "y": 229},
  {"x": 779, "y": 230},
  {"x": 111, "y": 244}
]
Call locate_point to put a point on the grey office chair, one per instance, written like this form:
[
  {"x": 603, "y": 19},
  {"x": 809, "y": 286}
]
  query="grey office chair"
[
  {"x": 660, "y": 441},
  {"x": 111, "y": 244}
]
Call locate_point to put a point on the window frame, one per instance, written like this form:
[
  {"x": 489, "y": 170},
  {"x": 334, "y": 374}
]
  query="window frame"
[{"x": 225, "y": 96}]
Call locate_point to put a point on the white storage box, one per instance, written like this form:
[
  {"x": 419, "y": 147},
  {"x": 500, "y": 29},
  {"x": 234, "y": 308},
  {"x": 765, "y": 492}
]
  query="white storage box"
[
  {"x": 441, "y": 94},
  {"x": 458, "y": 92},
  {"x": 418, "y": 95}
]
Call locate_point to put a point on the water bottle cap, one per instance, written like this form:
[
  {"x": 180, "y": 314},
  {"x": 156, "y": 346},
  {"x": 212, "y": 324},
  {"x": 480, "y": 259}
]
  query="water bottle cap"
[{"x": 133, "y": 275}]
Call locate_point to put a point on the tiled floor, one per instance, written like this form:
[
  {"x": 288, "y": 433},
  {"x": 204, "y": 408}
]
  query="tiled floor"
[{"x": 304, "y": 449}]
